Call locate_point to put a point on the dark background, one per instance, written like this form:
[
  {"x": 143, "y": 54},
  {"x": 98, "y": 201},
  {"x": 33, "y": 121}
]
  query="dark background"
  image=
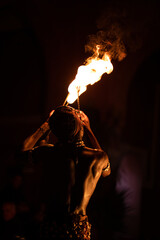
[{"x": 42, "y": 43}]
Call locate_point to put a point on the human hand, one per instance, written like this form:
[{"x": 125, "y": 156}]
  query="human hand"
[{"x": 84, "y": 119}]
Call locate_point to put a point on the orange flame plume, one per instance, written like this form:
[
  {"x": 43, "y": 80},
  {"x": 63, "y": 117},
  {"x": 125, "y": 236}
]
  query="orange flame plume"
[{"x": 89, "y": 73}]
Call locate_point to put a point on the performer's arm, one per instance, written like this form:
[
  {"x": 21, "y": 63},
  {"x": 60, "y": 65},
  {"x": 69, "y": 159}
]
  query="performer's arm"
[
  {"x": 106, "y": 164},
  {"x": 31, "y": 141},
  {"x": 106, "y": 170},
  {"x": 95, "y": 144},
  {"x": 92, "y": 138}
]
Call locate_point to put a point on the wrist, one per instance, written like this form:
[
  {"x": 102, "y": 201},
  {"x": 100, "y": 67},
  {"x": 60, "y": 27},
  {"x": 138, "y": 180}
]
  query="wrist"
[
  {"x": 44, "y": 128},
  {"x": 41, "y": 130}
]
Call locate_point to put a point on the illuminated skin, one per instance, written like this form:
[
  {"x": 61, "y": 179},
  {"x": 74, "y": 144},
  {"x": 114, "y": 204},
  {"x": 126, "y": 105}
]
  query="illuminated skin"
[
  {"x": 31, "y": 141},
  {"x": 90, "y": 167},
  {"x": 79, "y": 172}
]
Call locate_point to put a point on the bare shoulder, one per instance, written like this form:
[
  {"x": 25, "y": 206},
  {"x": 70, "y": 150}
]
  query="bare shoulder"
[
  {"x": 97, "y": 153},
  {"x": 100, "y": 160}
]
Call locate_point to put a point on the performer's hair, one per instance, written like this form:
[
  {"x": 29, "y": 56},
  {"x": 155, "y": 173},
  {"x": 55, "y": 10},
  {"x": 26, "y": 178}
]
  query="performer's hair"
[{"x": 64, "y": 123}]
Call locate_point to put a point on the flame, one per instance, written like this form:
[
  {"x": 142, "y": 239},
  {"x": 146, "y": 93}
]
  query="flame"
[{"x": 89, "y": 73}]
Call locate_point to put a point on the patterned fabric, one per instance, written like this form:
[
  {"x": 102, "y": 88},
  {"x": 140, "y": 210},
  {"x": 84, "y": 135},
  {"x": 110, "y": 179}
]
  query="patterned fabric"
[{"x": 77, "y": 227}]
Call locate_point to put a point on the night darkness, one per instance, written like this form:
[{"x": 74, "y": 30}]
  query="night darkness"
[{"x": 42, "y": 43}]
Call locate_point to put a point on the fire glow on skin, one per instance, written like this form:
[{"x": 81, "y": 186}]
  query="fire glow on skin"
[{"x": 89, "y": 73}]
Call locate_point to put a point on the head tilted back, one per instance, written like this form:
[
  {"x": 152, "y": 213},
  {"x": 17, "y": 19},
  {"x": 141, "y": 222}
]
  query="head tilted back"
[{"x": 65, "y": 123}]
